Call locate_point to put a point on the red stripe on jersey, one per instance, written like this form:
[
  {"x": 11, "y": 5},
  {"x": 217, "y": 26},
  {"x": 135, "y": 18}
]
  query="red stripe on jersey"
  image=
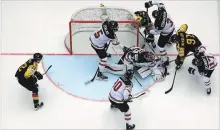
[
  {"x": 128, "y": 114},
  {"x": 127, "y": 119}
]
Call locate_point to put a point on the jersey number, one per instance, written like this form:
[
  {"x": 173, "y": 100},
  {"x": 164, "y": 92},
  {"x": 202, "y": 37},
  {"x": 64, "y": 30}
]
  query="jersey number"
[
  {"x": 117, "y": 85},
  {"x": 190, "y": 39},
  {"x": 22, "y": 67},
  {"x": 170, "y": 22},
  {"x": 97, "y": 34}
]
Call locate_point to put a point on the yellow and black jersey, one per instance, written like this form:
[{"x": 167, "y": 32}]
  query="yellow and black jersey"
[
  {"x": 188, "y": 43},
  {"x": 27, "y": 69}
]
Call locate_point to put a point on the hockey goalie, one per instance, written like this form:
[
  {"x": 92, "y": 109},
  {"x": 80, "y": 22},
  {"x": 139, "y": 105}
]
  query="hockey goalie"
[{"x": 144, "y": 62}]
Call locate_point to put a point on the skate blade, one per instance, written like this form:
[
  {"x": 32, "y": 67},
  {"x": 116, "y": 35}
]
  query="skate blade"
[{"x": 38, "y": 107}]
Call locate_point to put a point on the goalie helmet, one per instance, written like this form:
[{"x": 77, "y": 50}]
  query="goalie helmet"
[
  {"x": 155, "y": 14},
  {"x": 38, "y": 57},
  {"x": 149, "y": 56},
  {"x": 113, "y": 25}
]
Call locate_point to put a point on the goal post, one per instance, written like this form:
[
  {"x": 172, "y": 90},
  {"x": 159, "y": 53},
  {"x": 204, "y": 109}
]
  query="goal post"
[{"x": 88, "y": 20}]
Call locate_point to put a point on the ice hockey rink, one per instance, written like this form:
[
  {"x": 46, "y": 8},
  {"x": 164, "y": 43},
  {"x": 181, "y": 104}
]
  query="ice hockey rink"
[{"x": 41, "y": 26}]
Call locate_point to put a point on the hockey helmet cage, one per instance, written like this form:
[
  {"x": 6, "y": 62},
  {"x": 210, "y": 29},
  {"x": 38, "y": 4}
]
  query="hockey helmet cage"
[
  {"x": 155, "y": 14},
  {"x": 37, "y": 56},
  {"x": 149, "y": 56},
  {"x": 113, "y": 25}
]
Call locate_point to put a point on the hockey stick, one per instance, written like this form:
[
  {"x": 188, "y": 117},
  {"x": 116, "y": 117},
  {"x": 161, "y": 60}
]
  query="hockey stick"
[
  {"x": 47, "y": 70},
  {"x": 172, "y": 83},
  {"x": 184, "y": 57},
  {"x": 93, "y": 78},
  {"x": 139, "y": 95}
]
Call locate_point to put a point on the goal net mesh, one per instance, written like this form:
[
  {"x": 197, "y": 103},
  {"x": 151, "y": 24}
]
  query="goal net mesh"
[{"x": 88, "y": 20}]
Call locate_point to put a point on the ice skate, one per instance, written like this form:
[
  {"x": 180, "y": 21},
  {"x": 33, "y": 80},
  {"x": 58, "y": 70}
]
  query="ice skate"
[
  {"x": 109, "y": 55},
  {"x": 38, "y": 106},
  {"x": 208, "y": 91},
  {"x": 130, "y": 127},
  {"x": 100, "y": 76}
]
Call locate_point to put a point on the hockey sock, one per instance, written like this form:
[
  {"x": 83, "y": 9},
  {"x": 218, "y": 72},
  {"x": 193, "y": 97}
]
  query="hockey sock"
[
  {"x": 102, "y": 64},
  {"x": 127, "y": 116},
  {"x": 35, "y": 98}
]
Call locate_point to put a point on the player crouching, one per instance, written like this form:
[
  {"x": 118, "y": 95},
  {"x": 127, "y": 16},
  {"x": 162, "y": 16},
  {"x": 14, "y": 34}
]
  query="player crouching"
[
  {"x": 120, "y": 95},
  {"x": 145, "y": 62},
  {"x": 27, "y": 76},
  {"x": 205, "y": 63},
  {"x": 100, "y": 42}
]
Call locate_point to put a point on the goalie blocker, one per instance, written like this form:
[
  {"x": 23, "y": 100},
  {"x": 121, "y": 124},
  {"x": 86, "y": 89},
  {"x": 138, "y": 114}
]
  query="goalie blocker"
[{"x": 143, "y": 61}]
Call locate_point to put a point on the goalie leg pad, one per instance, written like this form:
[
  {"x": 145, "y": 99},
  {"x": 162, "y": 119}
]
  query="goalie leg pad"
[
  {"x": 144, "y": 72},
  {"x": 118, "y": 69}
]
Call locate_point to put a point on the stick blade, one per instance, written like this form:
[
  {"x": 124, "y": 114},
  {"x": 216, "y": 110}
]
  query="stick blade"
[{"x": 87, "y": 82}]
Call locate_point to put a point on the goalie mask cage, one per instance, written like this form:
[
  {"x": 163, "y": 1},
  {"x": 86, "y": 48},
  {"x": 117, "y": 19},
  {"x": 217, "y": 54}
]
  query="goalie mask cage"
[{"x": 90, "y": 20}]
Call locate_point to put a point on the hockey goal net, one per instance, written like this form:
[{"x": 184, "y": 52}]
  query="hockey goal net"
[{"x": 88, "y": 20}]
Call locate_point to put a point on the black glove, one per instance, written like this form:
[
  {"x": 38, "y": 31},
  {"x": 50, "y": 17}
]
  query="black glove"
[
  {"x": 178, "y": 63},
  {"x": 126, "y": 49},
  {"x": 38, "y": 75},
  {"x": 148, "y": 4},
  {"x": 129, "y": 98},
  {"x": 191, "y": 70},
  {"x": 150, "y": 38}
]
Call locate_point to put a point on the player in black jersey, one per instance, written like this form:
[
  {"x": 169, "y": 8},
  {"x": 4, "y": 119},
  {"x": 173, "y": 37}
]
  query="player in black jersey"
[
  {"x": 27, "y": 76},
  {"x": 185, "y": 43}
]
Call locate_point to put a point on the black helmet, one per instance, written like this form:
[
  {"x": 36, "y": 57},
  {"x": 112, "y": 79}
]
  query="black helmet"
[
  {"x": 113, "y": 25},
  {"x": 37, "y": 56},
  {"x": 129, "y": 74},
  {"x": 155, "y": 14},
  {"x": 174, "y": 38}
]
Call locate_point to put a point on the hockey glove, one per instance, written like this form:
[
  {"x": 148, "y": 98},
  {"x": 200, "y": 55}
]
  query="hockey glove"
[
  {"x": 148, "y": 4},
  {"x": 129, "y": 98},
  {"x": 38, "y": 75},
  {"x": 195, "y": 62},
  {"x": 191, "y": 70},
  {"x": 178, "y": 63},
  {"x": 150, "y": 38},
  {"x": 126, "y": 49}
]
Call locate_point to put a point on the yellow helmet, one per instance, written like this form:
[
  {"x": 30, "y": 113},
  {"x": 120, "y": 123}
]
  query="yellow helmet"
[{"x": 183, "y": 28}]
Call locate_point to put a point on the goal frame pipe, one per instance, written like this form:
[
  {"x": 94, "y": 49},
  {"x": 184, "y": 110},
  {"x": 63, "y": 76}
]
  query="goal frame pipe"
[{"x": 99, "y": 21}]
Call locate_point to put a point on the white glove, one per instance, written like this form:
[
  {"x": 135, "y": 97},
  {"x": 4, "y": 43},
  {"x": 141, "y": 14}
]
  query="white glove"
[{"x": 157, "y": 75}]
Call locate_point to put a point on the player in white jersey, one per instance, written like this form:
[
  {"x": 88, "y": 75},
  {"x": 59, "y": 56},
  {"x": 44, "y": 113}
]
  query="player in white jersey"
[
  {"x": 100, "y": 41},
  {"x": 163, "y": 26},
  {"x": 205, "y": 63},
  {"x": 144, "y": 62},
  {"x": 120, "y": 95}
]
